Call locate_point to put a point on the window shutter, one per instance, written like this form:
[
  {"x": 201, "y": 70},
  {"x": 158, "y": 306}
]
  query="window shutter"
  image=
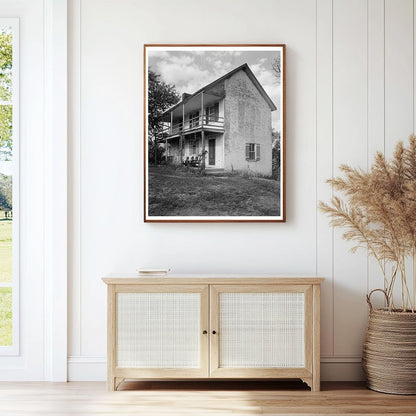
[
  {"x": 247, "y": 151},
  {"x": 257, "y": 152}
]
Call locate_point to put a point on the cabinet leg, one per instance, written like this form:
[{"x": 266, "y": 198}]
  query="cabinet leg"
[
  {"x": 313, "y": 383},
  {"x": 114, "y": 382},
  {"x": 316, "y": 384},
  {"x": 111, "y": 383},
  {"x": 118, "y": 381},
  {"x": 308, "y": 382}
]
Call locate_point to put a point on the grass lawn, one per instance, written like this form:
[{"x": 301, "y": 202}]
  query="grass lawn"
[
  {"x": 5, "y": 250},
  {"x": 5, "y": 277},
  {"x": 5, "y": 316},
  {"x": 174, "y": 192}
]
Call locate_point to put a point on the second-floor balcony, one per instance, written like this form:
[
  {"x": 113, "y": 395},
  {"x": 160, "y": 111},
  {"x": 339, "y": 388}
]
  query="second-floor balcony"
[
  {"x": 202, "y": 111},
  {"x": 194, "y": 123}
]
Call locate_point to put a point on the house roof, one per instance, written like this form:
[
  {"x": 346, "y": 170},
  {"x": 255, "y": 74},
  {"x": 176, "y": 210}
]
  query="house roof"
[{"x": 244, "y": 68}]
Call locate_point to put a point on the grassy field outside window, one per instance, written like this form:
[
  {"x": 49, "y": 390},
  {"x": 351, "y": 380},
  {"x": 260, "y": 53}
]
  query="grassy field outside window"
[
  {"x": 5, "y": 277},
  {"x": 8, "y": 100}
]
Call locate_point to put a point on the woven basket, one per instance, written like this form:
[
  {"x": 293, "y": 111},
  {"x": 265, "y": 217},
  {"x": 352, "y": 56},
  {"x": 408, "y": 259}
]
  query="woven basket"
[{"x": 389, "y": 352}]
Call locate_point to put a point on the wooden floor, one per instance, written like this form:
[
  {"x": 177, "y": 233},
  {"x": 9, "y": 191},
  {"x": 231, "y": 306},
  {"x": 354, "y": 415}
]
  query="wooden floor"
[{"x": 198, "y": 398}]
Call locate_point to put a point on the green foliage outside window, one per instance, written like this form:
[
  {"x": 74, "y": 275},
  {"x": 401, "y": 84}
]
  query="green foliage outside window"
[{"x": 6, "y": 112}]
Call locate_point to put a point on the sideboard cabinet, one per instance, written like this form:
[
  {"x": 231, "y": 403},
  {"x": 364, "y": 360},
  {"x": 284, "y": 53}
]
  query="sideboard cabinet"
[{"x": 214, "y": 327}]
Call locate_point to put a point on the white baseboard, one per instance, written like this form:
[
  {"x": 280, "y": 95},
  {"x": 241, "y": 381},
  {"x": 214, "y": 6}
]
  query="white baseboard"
[
  {"x": 339, "y": 368},
  {"x": 86, "y": 368}
]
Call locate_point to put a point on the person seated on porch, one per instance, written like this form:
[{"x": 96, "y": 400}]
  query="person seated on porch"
[
  {"x": 186, "y": 161},
  {"x": 197, "y": 161}
]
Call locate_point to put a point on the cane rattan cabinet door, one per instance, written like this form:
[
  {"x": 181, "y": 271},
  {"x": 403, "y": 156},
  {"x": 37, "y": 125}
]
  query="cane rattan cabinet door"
[
  {"x": 261, "y": 331},
  {"x": 161, "y": 331}
]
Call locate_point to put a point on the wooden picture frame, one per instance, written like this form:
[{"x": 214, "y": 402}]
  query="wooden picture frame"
[{"x": 214, "y": 133}]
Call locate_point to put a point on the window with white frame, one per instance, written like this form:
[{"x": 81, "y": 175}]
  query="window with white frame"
[
  {"x": 9, "y": 290},
  {"x": 252, "y": 151}
]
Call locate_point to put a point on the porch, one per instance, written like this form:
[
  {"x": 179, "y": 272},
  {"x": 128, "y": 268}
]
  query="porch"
[
  {"x": 194, "y": 124},
  {"x": 190, "y": 149},
  {"x": 203, "y": 111}
]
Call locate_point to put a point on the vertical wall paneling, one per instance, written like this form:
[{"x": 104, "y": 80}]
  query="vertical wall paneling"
[
  {"x": 350, "y": 92},
  {"x": 399, "y": 86},
  {"x": 375, "y": 110},
  {"x": 399, "y": 71},
  {"x": 350, "y": 146},
  {"x": 74, "y": 184},
  {"x": 414, "y": 127},
  {"x": 324, "y": 148},
  {"x": 56, "y": 180}
]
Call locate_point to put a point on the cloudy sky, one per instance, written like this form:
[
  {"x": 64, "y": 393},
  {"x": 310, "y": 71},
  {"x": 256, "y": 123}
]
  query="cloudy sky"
[{"x": 189, "y": 71}]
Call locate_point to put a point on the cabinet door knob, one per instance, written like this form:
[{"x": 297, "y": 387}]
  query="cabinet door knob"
[
  {"x": 214, "y": 332},
  {"x": 205, "y": 332}
]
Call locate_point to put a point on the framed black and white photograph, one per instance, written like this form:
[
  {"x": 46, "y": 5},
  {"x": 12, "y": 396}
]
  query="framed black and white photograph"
[{"x": 214, "y": 133}]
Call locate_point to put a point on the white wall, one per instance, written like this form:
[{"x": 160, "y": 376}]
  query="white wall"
[{"x": 350, "y": 91}]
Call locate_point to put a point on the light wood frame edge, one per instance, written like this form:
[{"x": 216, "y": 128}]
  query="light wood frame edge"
[
  {"x": 189, "y": 280},
  {"x": 316, "y": 380},
  {"x": 308, "y": 333},
  {"x": 205, "y": 326},
  {"x": 213, "y": 326},
  {"x": 111, "y": 338}
]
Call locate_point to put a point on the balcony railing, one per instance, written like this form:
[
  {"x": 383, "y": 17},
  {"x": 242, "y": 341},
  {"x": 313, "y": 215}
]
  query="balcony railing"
[{"x": 194, "y": 123}]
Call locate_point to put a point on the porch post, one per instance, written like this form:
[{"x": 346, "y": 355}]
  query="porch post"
[
  {"x": 181, "y": 138},
  {"x": 202, "y": 109},
  {"x": 202, "y": 130},
  {"x": 166, "y": 139}
]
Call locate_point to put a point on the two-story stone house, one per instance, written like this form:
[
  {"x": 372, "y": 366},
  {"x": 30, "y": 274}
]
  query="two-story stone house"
[{"x": 229, "y": 118}]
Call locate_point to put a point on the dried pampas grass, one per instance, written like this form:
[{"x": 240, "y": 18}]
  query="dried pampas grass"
[{"x": 379, "y": 213}]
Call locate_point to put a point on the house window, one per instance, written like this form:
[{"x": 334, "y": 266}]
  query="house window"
[
  {"x": 9, "y": 247},
  {"x": 194, "y": 119},
  {"x": 252, "y": 151},
  {"x": 211, "y": 113}
]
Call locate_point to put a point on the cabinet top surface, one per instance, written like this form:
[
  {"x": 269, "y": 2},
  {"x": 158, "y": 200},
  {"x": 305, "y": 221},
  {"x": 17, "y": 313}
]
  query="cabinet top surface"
[{"x": 171, "y": 278}]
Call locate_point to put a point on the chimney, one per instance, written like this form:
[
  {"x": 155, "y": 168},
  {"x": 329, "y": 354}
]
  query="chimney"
[{"x": 185, "y": 95}]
